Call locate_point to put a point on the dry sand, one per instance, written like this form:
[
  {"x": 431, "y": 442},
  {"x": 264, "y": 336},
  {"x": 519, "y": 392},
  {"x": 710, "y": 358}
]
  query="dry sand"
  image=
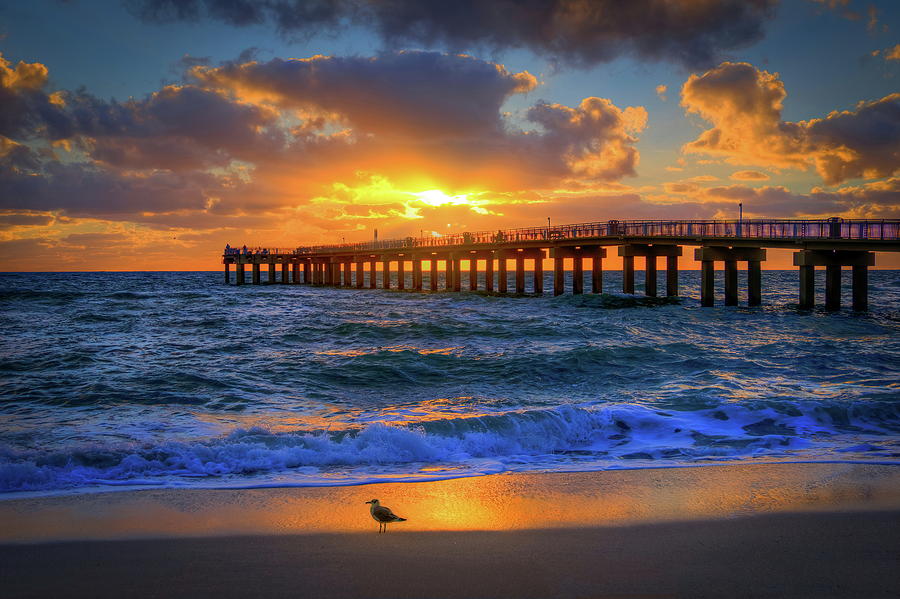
[{"x": 826, "y": 530}]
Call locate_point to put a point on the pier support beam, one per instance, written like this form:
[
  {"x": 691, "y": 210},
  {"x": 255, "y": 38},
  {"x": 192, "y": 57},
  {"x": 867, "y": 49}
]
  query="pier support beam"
[
  {"x": 295, "y": 273},
  {"x": 519, "y": 256},
  {"x": 473, "y": 273},
  {"x": 707, "y": 283},
  {"x": 306, "y": 274},
  {"x": 373, "y": 273},
  {"x": 577, "y": 275},
  {"x": 401, "y": 273},
  {"x": 360, "y": 274},
  {"x": 417, "y": 273},
  {"x": 650, "y": 276},
  {"x": 671, "y": 276},
  {"x": 433, "y": 274},
  {"x": 239, "y": 275},
  {"x": 538, "y": 276},
  {"x": 833, "y": 260},
  {"x": 861, "y": 287},
  {"x": 628, "y": 274},
  {"x": 448, "y": 273},
  {"x": 577, "y": 254},
  {"x": 807, "y": 287},
  {"x": 385, "y": 273},
  {"x": 650, "y": 254},
  {"x": 559, "y": 274},
  {"x": 708, "y": 256},
  {"x": 336, "y": 274},
  {"x": 489, "y": 274},
  {"x": 754, "y": 283},
  {"x": 520, "y": 272},
  {"x": 256, "y": 273},
  {"x": 227, "y": 273},
  {"x": 271, "y": 271},
  {"x": 285, "y": 269},
  {"x": 457, "y": 273},
  {"x": 348, "y": 274},
  {"x": 597, "y": 271},
  {"x": 731, "y": 283}
]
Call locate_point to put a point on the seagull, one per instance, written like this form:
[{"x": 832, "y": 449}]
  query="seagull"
[{"x": 383, "y": 515}]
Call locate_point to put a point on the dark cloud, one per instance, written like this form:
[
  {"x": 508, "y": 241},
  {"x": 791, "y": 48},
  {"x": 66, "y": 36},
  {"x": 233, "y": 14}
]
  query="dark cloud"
[
  {"x": 581, "y": 32},
  {"x": 401, "y": 93},
  {"x": 82, "y": 190},
  {"x": 25, "y": 219},
  {"x": 178, "y": 127}
]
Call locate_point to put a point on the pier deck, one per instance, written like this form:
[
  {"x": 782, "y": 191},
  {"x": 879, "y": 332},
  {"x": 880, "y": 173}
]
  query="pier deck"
[{"x": 830, "y": 243}]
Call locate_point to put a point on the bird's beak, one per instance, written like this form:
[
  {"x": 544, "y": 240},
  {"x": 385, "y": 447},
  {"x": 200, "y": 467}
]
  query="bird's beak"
[{"x": 368, "y": 502}]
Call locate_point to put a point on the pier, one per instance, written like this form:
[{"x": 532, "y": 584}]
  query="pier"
[{"x": 831, "y": 243}]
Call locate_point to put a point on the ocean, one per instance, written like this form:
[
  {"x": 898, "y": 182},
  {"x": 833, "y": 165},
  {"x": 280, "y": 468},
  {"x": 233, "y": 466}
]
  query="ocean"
[{"x": 173, "y": 379}]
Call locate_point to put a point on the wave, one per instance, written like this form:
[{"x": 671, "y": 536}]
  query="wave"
[
  {"x": 562, "y": 437},
  {"x": 54, "y": 297}
]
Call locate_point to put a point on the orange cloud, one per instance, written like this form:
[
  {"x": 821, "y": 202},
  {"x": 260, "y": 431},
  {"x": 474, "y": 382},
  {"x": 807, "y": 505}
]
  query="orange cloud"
[
  {"x": 744, "y": 105},
  {"x": 749, "y": 176}
]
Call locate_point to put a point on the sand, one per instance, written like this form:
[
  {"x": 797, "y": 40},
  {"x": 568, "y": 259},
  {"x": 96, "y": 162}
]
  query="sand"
[{"x": 826, "y": 530}]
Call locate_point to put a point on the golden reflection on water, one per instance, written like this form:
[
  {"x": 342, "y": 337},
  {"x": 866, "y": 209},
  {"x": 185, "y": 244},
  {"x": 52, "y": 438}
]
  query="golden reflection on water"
[
  {"x": 498, "y": 502},
  {"x": 354, "y": 353}
]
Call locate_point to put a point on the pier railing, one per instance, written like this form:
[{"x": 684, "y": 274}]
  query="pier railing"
[{"x": 782, "y": 229}]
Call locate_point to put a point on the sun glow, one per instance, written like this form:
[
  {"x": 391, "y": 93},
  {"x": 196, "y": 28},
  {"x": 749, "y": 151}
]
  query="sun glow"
[{"x": 436, "y": 198}]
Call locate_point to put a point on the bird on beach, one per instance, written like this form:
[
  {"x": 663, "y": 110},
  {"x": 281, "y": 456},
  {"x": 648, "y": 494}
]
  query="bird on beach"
[{"x": 383, "y": 515}]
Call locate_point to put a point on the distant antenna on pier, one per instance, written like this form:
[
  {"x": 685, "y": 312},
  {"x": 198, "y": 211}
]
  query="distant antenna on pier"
[{"x": 376, "y": 234}]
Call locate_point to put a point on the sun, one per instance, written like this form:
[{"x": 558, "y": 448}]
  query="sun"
[{"x": 436, "y": 197}]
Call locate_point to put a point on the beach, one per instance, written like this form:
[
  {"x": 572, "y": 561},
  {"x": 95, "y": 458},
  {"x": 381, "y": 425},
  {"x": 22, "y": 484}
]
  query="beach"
[{"x": 767, "y": 530}]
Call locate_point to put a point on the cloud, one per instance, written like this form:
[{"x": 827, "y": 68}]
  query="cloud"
[
  {"x": 892, "y": 53},
  {"x": 744, "y": 105},
  {"x": 401, "y": 93},
  {"x": 436, "y": 117},
  {"x": 579, "y": 32},
  {"x": 661, "y": 91},
  {"x": 270, "y": 143},
  {"x": 878, "y": 199},
  {"x": 10, "y": 219},
  {"x": 749, "y": 176}
]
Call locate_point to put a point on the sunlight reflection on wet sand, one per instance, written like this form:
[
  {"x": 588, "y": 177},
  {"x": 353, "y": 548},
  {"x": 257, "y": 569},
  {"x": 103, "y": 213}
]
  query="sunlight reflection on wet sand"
[{"x": 498, "y": 502}]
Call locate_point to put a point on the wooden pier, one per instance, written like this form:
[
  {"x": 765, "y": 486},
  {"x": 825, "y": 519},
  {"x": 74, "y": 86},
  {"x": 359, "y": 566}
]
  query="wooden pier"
[{"x": 830, "y": 243}]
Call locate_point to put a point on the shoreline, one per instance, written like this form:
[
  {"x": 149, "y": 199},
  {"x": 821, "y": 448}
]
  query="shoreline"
[
  {"x": 411, "y": 479},
  {"x": 789, "y": 530},
  {"x": 505, "y": 501}
]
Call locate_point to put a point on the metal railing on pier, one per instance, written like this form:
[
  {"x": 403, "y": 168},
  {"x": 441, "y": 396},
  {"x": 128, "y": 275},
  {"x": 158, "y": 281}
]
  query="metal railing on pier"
[{"x": 781, "y": 229}]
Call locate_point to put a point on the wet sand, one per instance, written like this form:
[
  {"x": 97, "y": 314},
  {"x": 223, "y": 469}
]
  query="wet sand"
[{"x": 812, "y": 530}]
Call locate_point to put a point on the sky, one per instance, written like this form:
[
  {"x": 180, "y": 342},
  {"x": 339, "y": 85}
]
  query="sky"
[{"x": 147, "y": 134}]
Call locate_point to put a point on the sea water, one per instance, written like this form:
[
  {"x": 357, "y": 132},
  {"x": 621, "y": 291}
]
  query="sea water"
[{"x": 124, "y": 380}]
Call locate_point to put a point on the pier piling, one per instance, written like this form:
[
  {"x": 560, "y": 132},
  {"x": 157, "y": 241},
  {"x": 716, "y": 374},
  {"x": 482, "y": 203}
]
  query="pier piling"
[
  {"x": 672, "y": 276},
  {"x": 650, "y": 275},
  {"x": 708, "y": 256},
  {"x": 520, "y": 273},
  {"x": 833, "y": 260}
]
